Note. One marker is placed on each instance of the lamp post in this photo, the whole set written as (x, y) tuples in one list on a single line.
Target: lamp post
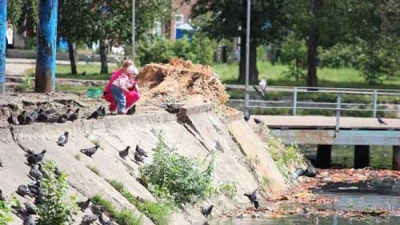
[(133, 31), (246, 94)]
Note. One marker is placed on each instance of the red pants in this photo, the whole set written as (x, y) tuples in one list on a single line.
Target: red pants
[(131, 98)]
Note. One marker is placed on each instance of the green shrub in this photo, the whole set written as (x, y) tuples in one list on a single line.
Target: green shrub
[(55, 207), (176, 177), (124, 217), (6, 210), (339, 56), (294, 54), (158, 212)]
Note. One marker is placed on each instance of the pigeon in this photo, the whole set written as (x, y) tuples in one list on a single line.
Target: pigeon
[(252, 196), (140, 151), (89, 151), (103, 112), (247, 117), (66, 114), (35, 114), (61, 119), (63, 139), (84, 204), (22, 118), (103, 222), (28, 120), (88, 219), (29, 208), (207, 211), (42, 117), (263, 86), (35, 172), (132, 110), (23, 190), (45, 175), (35, 158), (380, 120), (12, 120), (256, 204), (124, 153), (297, 173), (1, 163), (74, 116), (35, 187), (97, 209), (310, 171), (96, 114), (172, 109), (53, 118), (29, 220), (1, 196), (57, 172), (138, 158), (258, 121)]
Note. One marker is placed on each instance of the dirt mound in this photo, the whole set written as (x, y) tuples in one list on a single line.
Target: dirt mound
[(180, 81)]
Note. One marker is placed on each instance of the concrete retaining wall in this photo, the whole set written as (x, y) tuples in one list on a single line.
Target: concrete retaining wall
[(198, 135)]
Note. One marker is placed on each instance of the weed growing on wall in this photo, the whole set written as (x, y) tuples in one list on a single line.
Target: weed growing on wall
[(175, 177), (56, 207), (6, 210)]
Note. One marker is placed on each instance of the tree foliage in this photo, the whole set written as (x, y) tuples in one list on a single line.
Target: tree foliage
[(6, 210)]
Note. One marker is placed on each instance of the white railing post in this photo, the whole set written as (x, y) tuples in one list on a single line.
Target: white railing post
[(338, 108), (294, 101), (375, 103)]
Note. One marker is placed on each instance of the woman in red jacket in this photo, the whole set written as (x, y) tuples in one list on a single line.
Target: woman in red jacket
[(131, 97)]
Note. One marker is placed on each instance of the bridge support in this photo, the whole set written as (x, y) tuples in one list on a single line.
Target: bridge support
[(361, 156), (324, 156), (396, 157)]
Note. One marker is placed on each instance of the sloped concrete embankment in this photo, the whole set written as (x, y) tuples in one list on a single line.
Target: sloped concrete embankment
[(195, 132)]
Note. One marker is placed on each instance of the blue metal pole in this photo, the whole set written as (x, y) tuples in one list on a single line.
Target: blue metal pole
[(46, 46), (3, 32)]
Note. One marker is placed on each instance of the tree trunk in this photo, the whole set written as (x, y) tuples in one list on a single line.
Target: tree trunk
[(45, 77), (103, 58), (72, 56), (253, 72), (3, 32), (312, 79)]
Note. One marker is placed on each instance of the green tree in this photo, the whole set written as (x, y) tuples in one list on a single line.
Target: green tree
[(227, 20)]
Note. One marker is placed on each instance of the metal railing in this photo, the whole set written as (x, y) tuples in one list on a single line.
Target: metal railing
[(294, 103)]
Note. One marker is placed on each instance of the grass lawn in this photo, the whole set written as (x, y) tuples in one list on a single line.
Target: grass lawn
[(344, 78), (92, 72)]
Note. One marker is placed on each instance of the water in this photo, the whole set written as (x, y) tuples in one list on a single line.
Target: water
[(362, 196)]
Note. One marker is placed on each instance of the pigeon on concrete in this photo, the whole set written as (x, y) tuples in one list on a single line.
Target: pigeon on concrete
[(124, 153), (96, 114), (141, 151), (35, 187), (310, 171), (63, 139), (66, 114), (132, 110), (88, 219), (297, 173), (1, 196), (30, 209), (57, 172), (12, 120), (247, 117), (256, 204), (74, 116), (29, 220), (97, 209), (35, 172), (83, 205), (28, 120), (42, 117), (207, 211), (89, 151), (258, 121), (138, 158), (103, 112), (61, 119), (23, 190), (35, 158), (44, 173), (252, 196), (380, 120), (53, 118), (171, 108), (22, 118), (104, 222)]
